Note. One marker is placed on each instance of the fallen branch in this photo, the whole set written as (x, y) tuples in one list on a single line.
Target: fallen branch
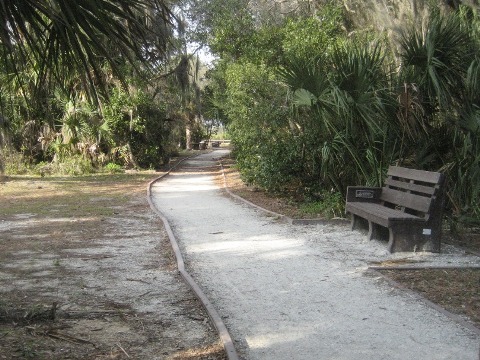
[(121, 348), (139, 280), (69, 338)]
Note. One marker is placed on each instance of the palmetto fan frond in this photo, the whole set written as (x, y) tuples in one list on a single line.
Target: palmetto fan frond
[(361, 89), (470, 112), (57, 36), (437, 57), (306, 74)]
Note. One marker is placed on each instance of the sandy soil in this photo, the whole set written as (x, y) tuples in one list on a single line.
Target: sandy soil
[(86, 272)]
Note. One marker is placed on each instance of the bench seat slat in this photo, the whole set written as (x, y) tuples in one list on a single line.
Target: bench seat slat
[(378, 213)]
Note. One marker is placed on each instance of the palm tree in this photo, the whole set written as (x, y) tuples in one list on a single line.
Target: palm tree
[(440, 66), (436, 58), (349, 98), (58, 36), (55, 51)]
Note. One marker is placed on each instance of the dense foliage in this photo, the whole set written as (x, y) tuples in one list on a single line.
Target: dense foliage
[(90, 83), (313, 109)]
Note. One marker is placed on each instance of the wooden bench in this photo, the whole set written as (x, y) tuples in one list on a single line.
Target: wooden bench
[(409, 205)]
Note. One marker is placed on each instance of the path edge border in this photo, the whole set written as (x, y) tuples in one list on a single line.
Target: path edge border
[(282, 217), (222, 330), (456, 318)]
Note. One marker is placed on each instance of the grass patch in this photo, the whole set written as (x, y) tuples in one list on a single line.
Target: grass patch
[(329, 205), (68, 196)]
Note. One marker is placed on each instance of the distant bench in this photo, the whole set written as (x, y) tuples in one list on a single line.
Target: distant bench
[(409, 205)]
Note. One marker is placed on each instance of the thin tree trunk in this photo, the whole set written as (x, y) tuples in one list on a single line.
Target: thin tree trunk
[(132, 157), (188, 137), (2, 169), (3, 144)]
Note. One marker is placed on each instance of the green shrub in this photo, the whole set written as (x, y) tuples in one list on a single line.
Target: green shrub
[(330, 205), (14, 163), (74, 165), (113, 168)]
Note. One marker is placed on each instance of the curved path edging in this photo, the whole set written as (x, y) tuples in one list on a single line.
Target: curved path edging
[(212, 312), (457, 318)]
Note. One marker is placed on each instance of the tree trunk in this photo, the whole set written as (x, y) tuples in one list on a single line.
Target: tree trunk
[(188, 137), (3, 144), (1, 166), (131, 157)]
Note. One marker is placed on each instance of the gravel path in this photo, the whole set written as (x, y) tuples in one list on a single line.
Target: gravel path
[(301, 292)]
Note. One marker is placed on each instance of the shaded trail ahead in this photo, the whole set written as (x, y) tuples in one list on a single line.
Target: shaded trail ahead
[(300, 292)]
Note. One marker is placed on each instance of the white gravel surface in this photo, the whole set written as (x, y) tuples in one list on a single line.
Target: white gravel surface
[(302, 292)]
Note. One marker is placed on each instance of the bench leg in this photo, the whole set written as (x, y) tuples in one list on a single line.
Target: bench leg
[(411, 237), (358, 223), (372, 233), (403, 236), (391, 241), (354, 223), (433, 244), (376, 231)]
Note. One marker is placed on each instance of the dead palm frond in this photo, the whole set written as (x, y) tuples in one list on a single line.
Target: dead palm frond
[(411, 114)]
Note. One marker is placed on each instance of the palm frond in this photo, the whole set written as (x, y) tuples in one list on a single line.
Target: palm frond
[(361, 91), (307, 74), (438, 56), (60, 35)]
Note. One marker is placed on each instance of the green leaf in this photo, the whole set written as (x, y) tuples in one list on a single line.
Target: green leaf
[(304, 97)]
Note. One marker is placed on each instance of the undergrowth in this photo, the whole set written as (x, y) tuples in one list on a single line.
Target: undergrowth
[(329, 205)]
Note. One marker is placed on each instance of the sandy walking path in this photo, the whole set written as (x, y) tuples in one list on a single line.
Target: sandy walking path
[(300, 292)]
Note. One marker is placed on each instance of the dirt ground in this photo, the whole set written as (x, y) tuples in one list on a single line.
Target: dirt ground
[(86, 272), (456, 290)]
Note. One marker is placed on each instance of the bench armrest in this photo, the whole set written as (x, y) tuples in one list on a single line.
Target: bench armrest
[(363, 194)]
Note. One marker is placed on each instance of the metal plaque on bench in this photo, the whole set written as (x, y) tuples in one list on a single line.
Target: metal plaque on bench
[(364, 194)]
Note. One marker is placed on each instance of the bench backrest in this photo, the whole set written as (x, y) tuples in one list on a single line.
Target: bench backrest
[(412, 191)]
